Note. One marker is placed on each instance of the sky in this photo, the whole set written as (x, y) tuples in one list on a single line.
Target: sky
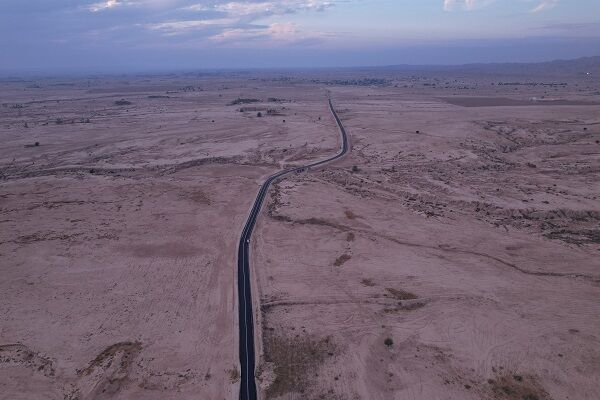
[(153, 35)]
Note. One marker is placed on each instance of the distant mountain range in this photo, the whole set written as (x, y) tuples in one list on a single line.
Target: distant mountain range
[(580, 66)]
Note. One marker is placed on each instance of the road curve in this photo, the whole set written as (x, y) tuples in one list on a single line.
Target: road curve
[(246, 324)]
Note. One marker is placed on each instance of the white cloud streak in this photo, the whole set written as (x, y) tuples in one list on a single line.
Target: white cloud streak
[(245, 8), (179, 27), (545, 5), (104, 5), (239, 20), (450, 5)]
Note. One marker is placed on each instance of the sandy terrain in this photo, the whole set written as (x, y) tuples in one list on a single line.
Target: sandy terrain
[(118, 234), (452, 255), (459, 261)]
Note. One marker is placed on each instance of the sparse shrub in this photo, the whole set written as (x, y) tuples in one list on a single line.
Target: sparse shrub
[(367, 282), (522, 389), (243, 101), (122, 102), (531, 165), (36, 144), (389, 342), (58, 121), (341, 260), (355, 168), (234, 375), (259, 114), (400, 294), (295, 362)]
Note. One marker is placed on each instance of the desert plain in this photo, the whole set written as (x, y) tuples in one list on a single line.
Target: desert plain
[(452, 254)]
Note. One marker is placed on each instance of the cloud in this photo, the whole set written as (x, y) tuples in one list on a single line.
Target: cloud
[(263, 8), (279, 32), (449, 5), (236, 21), (137, 4), (104, 5), (545, 5), (179, 27)]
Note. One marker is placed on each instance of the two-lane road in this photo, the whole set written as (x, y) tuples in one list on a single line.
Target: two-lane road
[(246, 323)]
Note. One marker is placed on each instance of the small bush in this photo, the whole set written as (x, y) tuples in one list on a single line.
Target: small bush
[(400, 294), (243, 101), (349, 214), (355, 168), (122, 102), (259, 114), (367, 282), (341, 260), (234, 375), (388, 342)]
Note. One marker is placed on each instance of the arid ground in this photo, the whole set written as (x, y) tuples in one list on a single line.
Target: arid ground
[(453, 254)]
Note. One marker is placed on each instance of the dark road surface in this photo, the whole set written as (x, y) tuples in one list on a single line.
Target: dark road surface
[(246, 324)]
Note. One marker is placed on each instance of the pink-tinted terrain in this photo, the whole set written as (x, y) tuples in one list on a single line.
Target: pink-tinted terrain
[(453, 254)]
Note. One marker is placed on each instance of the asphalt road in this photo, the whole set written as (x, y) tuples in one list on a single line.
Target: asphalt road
[(246, 323)]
